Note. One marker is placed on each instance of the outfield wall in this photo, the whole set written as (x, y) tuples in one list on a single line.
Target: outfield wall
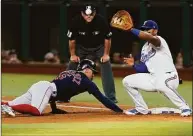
[(184, 74)]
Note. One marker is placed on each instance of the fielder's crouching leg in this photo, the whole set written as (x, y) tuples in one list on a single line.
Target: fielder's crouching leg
[(140, 104)]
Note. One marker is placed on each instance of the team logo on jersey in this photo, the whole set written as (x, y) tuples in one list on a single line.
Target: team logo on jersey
[(146, 56), (73, 75), (82, 33), (95, 32), (109, 34), (69, 34)]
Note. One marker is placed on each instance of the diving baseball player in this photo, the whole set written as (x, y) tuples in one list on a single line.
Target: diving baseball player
[(66, 85), (156, 71)]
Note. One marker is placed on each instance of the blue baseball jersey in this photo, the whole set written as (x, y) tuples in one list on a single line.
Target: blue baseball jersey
[(70, 83)]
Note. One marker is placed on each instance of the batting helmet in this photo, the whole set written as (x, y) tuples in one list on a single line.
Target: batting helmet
[(86, 63)]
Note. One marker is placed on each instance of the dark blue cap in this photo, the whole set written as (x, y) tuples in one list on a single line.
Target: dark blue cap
[(149, 24), (89, 9)]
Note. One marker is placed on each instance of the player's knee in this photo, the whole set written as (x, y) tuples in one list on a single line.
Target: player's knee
[(126, 82)]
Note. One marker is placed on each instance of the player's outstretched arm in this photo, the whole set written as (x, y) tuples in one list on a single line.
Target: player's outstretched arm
[(146, 36), (104, 100), (55, 110)]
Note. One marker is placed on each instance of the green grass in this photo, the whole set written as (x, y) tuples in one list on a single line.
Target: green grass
[(15, 85), (158, 128)]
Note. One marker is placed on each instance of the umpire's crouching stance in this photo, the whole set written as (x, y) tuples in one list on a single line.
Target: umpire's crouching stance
[(90, 38)]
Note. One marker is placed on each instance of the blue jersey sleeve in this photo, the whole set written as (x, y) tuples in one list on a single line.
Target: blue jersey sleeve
[(93, 89), (140, 67)]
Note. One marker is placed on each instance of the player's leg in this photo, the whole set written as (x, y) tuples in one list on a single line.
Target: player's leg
[(23, 99), (41, 93), (18, 103), (9, 107), (168, 86), (108, 81), (134, 82), (107, 76)]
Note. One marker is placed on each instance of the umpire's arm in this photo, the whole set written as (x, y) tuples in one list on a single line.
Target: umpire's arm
[(107, 48), (107, 40)]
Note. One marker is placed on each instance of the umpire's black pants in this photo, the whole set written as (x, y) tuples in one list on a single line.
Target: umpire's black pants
[(106, 70)]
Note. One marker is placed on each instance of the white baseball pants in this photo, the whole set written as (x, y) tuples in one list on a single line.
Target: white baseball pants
[(38, 95), (166, 83)]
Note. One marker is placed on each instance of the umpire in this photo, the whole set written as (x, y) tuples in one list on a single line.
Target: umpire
[(90, 38)]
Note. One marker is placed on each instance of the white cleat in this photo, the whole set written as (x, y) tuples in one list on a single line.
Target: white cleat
[(7, 110), (131, 112), (186, 112)]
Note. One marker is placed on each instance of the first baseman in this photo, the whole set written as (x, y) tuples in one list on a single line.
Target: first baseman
[(66, 85), (156, 71)]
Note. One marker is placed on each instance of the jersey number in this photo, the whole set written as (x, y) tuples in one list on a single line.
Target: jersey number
[(76, 76)]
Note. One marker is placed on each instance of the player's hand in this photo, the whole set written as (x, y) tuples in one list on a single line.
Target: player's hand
[(74, 58), (58, 111), (129, 61), (105, 58)]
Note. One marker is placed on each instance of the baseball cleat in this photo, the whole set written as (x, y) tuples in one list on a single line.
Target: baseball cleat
[(7, 110), (186, 112), (132, 112)]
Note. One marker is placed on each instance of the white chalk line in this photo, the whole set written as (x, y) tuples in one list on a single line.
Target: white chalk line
[(82, 107), (153, 110), (40, 134), (77, 107)]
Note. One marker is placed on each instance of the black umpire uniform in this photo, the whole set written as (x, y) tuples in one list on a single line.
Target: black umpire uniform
[(89, 43)]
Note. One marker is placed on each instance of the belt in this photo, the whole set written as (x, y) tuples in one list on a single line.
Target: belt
[(168, 72)]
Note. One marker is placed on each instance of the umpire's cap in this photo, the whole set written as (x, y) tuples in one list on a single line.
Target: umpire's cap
[(86, 63), (88, 9), (149, 24)]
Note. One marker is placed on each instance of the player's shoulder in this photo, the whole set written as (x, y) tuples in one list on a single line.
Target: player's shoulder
[(83, 76), (160, 37), (163, 41), (85, 79)]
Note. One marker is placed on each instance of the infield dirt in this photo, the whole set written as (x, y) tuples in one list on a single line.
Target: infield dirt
[(77, 113)]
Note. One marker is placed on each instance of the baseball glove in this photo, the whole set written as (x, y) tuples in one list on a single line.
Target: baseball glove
[(122, 20)]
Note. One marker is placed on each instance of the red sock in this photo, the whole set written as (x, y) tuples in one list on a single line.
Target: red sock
[(26, 108)]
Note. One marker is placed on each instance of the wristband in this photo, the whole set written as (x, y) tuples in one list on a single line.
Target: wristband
[(135, 31)]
